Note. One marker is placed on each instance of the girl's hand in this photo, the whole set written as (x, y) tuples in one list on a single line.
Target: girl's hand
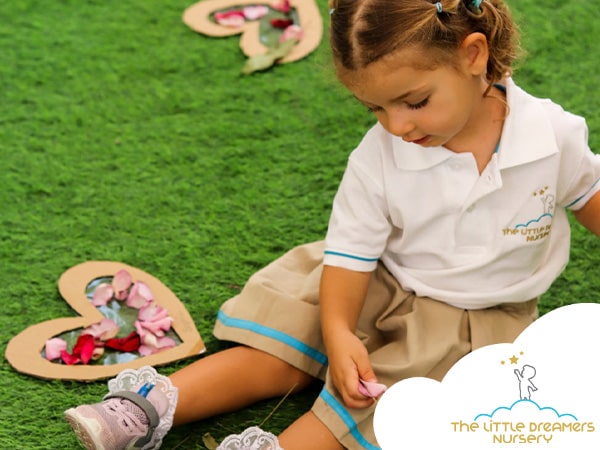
[(349, 361)]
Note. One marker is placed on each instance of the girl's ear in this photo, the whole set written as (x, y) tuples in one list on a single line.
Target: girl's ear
[(474, 53)]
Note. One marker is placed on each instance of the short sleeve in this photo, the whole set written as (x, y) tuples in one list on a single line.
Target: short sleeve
[(359, 225)]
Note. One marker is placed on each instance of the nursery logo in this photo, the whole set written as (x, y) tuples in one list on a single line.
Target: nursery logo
[(539, 392), (538, 227), (524, 421)]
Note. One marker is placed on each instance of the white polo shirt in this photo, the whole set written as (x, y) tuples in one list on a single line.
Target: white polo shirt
[(447, 232)]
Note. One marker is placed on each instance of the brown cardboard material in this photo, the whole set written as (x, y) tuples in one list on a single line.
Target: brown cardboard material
[(24, 351), (197, 17)]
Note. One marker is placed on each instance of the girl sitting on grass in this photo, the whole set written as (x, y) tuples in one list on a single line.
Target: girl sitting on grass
[(449, 223)]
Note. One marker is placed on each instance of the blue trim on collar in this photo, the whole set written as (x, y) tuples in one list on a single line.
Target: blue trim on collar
[(347, 418), (272, 333)]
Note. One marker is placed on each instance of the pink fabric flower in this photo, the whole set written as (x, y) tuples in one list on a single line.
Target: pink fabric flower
[(233, 18), (105, 329), (255, 12), (102, 294), (291, 32), (54, 347), (120, 283), (139, 295), (370, 388)]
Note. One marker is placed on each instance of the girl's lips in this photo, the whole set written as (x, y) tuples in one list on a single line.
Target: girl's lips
[(421, 141)]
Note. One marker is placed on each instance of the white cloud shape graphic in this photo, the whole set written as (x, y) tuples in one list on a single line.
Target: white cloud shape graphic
[(555, 362)]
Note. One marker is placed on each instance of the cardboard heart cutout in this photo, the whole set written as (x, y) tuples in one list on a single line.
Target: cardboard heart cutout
[(24, 351), (197, 17)]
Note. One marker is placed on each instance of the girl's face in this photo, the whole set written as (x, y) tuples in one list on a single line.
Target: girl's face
[(429, 107)]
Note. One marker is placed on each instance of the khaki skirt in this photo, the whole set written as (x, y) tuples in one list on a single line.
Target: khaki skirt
[(277, 312)]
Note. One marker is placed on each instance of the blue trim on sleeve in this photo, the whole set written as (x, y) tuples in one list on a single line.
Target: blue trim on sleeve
[(579, 198), (347, 418), (273, 334), (345, 255)]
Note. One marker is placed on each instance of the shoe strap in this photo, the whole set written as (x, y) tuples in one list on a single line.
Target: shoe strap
[(146, 406)]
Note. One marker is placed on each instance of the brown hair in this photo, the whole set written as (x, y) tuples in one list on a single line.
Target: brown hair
[(364, 31)]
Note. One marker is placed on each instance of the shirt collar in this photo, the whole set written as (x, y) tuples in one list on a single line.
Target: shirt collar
[(527, 136)]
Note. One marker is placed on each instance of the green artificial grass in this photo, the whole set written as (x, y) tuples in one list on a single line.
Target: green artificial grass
[(126, 136)]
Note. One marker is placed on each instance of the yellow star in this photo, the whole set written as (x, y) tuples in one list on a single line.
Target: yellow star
[(513, 359)]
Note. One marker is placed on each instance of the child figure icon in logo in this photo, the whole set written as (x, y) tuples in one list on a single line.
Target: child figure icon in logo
[(526, 387)]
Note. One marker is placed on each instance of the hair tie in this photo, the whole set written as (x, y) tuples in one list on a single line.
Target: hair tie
[(439, 7), (476, 6)]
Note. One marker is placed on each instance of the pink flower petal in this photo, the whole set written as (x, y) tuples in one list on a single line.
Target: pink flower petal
[(146, 336), (121, 282), (102, 294), (255, 12), (157, 327), (370, 388), (54, 347), (161, 344), (139, 295), (282, 5), (152, 311), (234, 18), (291, 32), (105, 329)]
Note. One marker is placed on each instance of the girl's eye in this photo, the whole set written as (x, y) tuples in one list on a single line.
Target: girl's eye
[(419, 105), (374, 109)]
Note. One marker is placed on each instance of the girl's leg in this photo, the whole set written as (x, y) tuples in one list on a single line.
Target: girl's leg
[(308, 433), (231, 379)]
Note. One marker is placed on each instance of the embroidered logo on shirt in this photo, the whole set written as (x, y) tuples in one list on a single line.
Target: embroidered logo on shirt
[(538, 227)]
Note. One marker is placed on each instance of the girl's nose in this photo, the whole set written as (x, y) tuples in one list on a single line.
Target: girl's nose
[(398, 123)]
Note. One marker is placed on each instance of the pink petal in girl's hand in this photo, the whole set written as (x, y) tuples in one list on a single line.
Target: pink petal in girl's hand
[(255, 12), (371, 388), (121, 282), (102, 294), (54, 347), (291, 32), (139, 295)]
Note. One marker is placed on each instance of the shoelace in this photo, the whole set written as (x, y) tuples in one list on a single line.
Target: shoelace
[(129, 415)]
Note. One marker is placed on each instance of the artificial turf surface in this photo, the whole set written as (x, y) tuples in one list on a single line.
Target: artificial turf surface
[(126, 136)]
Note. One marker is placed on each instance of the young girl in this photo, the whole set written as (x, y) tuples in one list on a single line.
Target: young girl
[(449, 223)]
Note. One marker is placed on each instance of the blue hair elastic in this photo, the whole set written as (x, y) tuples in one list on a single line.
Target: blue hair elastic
[(476, 3), (439, 7)]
